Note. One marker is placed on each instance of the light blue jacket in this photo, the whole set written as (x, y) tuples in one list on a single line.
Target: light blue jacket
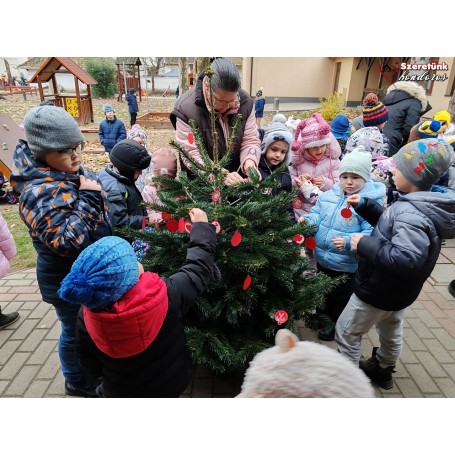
[(326, 215)]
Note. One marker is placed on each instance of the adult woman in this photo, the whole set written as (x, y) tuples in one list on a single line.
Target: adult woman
[(229, 101)]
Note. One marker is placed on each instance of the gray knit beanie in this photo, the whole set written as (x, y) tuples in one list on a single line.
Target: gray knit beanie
[(279, 118), (424, 161), (50, 128), (277, 131), (357, 162), (107, 108)]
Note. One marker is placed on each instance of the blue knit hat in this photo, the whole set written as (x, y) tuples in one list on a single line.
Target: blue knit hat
[(107, 108), (340, 126), (103, 272)]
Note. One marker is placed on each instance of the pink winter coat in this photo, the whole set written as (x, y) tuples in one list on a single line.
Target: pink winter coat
[(327, 167), (149, 194), (7, 247)]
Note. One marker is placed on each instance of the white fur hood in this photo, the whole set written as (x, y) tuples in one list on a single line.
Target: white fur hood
[(412, 88)]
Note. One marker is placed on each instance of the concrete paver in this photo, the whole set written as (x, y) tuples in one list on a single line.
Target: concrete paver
[(30, 367)]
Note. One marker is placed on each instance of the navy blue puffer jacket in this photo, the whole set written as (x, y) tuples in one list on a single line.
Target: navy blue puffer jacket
[(111, 132)]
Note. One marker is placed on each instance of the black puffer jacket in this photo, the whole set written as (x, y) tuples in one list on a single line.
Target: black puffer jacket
[(406, 103), (139, 345), (403, 248)]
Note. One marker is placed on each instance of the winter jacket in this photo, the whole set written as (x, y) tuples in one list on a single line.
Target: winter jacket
[(403, 248), (149, 193), (132, 103), (284, 178), (259, 107), (111, 132), (7, 247), (138, 346), (326, 215), (328, 167), (62, 220), (123, 198), (193, 105), (406, 102)]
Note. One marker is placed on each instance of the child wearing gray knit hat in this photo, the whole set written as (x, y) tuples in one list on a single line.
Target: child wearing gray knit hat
[(357, 162), (50, 128), (398, 257)]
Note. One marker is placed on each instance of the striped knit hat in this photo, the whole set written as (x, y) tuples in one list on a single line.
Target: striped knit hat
[(374, 112), (429, 128)]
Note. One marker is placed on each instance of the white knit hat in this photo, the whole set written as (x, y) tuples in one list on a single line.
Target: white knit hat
[(357, 162)]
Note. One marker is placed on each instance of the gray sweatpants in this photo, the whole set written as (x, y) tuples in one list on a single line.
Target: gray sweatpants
[(357, 318)]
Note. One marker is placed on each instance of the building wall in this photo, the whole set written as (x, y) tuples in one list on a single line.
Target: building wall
[(289, 78), (440, 94)]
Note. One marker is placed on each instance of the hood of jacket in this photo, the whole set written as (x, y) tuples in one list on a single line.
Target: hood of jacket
[(133, 322), (402, 90), (438, 205)]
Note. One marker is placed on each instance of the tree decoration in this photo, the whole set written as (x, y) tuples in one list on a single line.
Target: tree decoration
[(191, 138), (172, 225), (188, 226), (296, 203), (216, 195), (236, 238), (281, 317), (310, 243), (166, 216), (246, 283), (217, 225), (182, 225), (346, 212), (298, 238)]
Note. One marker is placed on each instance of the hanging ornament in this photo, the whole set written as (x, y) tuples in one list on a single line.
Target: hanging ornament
[(181, 225), (217, 225), (346, 212), (236, 238), (166, 216), (310, 243), (298, 238), (216, 196), (188, 226), (296, 203), (281, 317), (182, 196), (246, 283), (191, 138), (172, 225)]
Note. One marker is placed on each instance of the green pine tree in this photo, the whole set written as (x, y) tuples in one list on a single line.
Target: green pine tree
[(264, 274)]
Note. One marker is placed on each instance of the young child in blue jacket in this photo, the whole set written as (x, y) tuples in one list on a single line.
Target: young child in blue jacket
[(111, 129), (334, 255), (398, 257)]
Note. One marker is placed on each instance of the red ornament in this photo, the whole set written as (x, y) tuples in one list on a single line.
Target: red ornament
[(236, 238), (172, 225), (190, 138), (182, 196), (310, 243), (216, 196), (217, 225), (181, 225), (296, 203), (281, 317), (298, 238), (346, 212), (188, 226), (166, 216), (247, 282)]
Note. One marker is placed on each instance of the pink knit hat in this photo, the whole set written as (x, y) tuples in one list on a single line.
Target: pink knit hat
[(164, 162), (311, 132)]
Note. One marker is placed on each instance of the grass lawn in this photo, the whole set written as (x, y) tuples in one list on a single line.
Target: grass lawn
[(26, 254)]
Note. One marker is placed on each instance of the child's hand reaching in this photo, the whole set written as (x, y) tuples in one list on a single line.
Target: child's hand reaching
[(339, 242), (197, 215), (353, 200), (318, 181), (87, 184), (299, 181), (355, 238), (301, 220)]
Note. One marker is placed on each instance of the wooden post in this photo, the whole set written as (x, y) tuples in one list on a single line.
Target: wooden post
[(55, 86), (139, 77), (80, 118), (89, 93), (119, 84), (40, 88)]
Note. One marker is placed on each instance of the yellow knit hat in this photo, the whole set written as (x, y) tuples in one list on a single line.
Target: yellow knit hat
[(443, 117)]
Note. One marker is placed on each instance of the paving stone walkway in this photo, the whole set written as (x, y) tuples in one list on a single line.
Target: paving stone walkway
[(30, 367)]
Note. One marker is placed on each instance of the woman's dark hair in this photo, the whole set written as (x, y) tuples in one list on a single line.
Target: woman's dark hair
[(225, 75)]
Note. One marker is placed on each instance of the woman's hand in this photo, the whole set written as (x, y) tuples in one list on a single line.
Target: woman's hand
[(197, 215), (248, 164), (232, 178)]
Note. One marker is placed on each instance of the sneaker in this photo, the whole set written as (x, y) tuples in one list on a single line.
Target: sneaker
[(85, 388), (452, 288), (8, 319), (327, 334), (380, 376)]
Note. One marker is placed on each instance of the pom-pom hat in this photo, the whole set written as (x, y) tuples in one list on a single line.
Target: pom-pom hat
[(102, 273), (429, 129), (374, 112), (311, 132)]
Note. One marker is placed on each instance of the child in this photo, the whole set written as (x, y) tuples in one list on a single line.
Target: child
[(136, 133), (340, 129), (65, 210), (398, 257), (128, 159), (130, 330), (133, 108), (333, 251), (5, 195), (7, 252), (276, 148), (111, 129), (164, 163), (315, 159), (259, 107)]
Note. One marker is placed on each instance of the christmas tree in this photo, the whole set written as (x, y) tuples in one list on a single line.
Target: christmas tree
[(261, 283)]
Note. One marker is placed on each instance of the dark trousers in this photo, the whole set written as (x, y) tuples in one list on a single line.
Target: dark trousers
[(133, 116), (336, 301)]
